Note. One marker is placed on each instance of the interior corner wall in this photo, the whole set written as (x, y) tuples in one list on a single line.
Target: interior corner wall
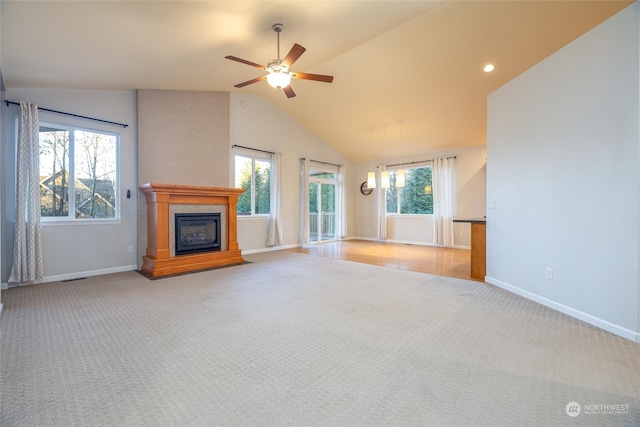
[(2, 179), (183, 138), (4, 273), (638, 159), (256, 123), (563, 171)]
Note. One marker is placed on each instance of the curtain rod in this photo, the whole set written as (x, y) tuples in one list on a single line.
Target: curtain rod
[(71, 114), (254, 149), (419, 161), (324, 163)]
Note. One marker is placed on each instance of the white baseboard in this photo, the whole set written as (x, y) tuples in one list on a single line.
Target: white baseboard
[(79, 275), (592, 320), (4, 286), (268, 249)]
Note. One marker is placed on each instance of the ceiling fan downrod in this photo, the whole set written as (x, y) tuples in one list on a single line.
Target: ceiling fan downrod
[(278, 28)]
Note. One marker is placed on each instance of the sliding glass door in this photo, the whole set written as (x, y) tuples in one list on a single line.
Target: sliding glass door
[(322, 205)]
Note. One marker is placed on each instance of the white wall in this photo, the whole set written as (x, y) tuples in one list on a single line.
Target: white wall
[(71, 251), (470, 180), (256, 123), (563, 169)]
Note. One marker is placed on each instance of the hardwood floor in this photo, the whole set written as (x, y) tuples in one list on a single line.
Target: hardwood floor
[(426, 259)]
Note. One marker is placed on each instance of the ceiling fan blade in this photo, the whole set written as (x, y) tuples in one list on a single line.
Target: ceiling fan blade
[(293, 55), (244, 61), (248, 82), (288, 90), (316, 77)]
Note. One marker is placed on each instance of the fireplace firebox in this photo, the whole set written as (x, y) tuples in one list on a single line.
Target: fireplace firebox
[(197, 232)]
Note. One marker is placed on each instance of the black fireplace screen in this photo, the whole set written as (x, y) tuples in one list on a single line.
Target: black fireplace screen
[(197, 232)]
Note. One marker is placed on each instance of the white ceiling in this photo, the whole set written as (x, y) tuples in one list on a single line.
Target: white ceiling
[(416, 61)]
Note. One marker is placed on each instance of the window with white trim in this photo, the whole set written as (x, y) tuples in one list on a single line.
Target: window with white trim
[(253, 174), (78, 173), (416, 197)]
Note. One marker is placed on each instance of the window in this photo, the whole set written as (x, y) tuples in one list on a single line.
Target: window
[(254, 175), (80, 163), (415, 197)]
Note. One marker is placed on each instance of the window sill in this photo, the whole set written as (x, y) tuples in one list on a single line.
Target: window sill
[(397, 215), (84, 222), (249, 217)]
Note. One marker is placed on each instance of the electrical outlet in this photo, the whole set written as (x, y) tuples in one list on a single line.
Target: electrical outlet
[(549, 273), (130, 249)]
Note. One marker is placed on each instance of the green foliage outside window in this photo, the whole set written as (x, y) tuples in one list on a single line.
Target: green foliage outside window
[(415, 197), (254, 176), (328, 197)]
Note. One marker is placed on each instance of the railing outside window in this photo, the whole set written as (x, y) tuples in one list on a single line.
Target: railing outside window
[(328, 223)]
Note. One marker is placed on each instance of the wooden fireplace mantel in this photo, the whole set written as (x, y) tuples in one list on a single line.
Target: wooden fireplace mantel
[(158, 260)]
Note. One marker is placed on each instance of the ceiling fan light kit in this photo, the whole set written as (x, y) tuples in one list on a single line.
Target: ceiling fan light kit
[(278, 76), (279, 70)]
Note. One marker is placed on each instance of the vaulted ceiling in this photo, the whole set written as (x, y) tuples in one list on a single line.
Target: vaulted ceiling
[(419, 62)]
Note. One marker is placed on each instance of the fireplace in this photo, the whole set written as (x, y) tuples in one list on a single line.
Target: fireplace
[(164, 201), (197, 232)]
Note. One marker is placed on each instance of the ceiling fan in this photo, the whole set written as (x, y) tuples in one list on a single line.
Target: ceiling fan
[(279, 70)]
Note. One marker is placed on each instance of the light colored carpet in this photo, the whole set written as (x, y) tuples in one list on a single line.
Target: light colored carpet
[(293, 339)]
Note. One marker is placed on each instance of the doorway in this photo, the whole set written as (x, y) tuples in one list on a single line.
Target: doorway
[(322, 205)]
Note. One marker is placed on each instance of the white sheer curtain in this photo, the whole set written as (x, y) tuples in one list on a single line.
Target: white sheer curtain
[(274, 232), (305, 236), (342, 203), (443, 200), (27, 247), (382, 205)]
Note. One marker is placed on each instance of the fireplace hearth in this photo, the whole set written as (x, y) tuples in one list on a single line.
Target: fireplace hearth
[(197, 232)]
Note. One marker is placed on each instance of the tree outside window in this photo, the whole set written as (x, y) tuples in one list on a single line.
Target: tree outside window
[(415, 197), (91, 177), (254, 176)]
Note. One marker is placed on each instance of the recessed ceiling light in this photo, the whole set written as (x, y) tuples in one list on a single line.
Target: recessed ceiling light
[(489, 68)]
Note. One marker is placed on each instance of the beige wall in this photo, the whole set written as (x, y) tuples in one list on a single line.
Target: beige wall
[(183, 138)]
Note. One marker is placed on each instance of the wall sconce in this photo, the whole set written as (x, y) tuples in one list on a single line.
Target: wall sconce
[(427, 189)]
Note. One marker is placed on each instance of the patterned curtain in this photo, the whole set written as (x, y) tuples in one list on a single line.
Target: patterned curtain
[(305, 235), (274, 232), (382, 206), (27, 247), (443, 201)]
